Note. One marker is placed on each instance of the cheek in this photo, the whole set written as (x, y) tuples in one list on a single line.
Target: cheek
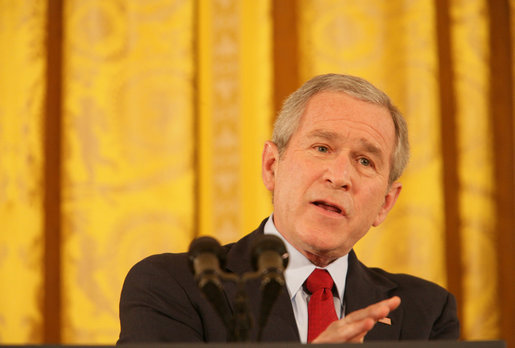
[(375, 201), (292, 181)]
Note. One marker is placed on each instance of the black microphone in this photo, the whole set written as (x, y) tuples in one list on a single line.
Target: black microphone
[(206, 257), (269, 257)]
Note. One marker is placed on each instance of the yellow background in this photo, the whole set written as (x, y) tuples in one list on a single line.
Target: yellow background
[(164, 110)]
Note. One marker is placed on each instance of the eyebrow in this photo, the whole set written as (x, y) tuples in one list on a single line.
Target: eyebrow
[(369, 147), (320, 133), (328, 135)]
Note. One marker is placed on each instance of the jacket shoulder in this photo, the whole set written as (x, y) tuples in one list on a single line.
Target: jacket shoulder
[(409, 283), (160, 302)]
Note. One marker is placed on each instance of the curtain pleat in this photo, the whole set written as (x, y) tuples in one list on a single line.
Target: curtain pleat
[(475, 169), (235, 115), (128, 173), (22, 81)]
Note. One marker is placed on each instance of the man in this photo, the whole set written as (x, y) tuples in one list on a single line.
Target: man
[(338, 147)]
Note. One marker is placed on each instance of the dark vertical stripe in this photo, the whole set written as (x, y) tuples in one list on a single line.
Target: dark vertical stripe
[(286, 52), (52, 175), (502, 113), (449, 151)]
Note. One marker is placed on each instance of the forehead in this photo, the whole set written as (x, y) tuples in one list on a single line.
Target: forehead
[(348, 117)]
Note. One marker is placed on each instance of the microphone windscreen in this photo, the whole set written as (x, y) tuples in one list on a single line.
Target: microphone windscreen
[(208, 245), (265, 243)]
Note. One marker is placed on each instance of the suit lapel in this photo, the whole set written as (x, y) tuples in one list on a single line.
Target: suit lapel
[(281, 324), (365, 287)]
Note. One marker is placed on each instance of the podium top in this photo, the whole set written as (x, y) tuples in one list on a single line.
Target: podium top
[(375, 344)]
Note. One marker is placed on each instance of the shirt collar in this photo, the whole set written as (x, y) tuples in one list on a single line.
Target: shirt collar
[(299, 267)]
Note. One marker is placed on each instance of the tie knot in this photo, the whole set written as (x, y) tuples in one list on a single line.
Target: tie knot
[(319, 279)]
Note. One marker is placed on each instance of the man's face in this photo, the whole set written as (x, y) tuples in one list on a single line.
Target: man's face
[(331, 183)]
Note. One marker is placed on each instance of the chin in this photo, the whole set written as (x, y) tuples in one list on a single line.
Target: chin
[(320, 244)]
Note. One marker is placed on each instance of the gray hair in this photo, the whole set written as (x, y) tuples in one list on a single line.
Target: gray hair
[(293, 108)]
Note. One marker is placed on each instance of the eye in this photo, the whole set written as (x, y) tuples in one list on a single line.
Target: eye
[(321, 148), (365, 162)]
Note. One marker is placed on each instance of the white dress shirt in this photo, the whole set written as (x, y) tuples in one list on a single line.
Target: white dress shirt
[(298, 270)]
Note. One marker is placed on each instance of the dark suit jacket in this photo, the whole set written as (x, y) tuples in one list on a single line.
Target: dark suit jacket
[(160, 302)]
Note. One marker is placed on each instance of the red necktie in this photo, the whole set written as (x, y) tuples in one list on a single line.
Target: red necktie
[(321, 310)]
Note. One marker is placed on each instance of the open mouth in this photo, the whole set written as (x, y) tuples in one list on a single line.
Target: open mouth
[(327, 206)]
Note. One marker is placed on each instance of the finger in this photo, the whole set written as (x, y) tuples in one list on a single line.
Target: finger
[(359, 337), (355, 325), (376, 311), (340, 331), (393, 302)]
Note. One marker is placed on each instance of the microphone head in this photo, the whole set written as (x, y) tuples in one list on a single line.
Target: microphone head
[(205, 257), (207, 245), (268, 243)]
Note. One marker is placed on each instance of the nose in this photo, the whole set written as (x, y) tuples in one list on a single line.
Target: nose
[(338, 173)]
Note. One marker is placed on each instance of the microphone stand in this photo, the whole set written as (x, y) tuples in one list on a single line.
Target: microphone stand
[(242, 318), (241, 322)]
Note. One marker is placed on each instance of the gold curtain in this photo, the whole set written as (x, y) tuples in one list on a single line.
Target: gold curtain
[(127, 128), (127, 185), (22, 64), (475, 169), (235, 115)]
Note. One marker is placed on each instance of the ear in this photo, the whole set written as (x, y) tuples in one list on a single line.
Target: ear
[(389, 202), (269, 162)]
